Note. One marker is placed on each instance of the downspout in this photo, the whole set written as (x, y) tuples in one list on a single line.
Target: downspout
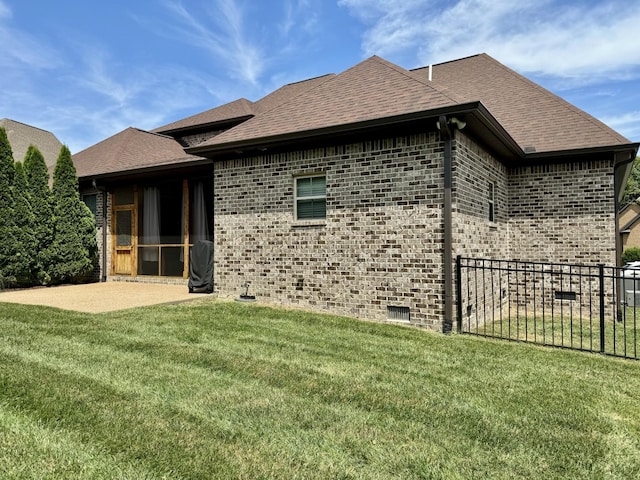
[(447, 257)]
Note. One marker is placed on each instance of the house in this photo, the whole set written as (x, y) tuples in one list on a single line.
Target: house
[(629, 225), (21, 135), (353, 193)]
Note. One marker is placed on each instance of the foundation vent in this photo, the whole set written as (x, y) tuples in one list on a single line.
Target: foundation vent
[(398, 314)]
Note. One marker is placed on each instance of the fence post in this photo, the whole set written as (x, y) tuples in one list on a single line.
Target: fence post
[(601, 275), (459, 292)]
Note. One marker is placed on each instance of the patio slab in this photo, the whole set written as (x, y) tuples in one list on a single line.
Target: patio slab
[(102, 297)]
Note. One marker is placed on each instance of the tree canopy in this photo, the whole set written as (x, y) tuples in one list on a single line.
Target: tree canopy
[(632, 189)]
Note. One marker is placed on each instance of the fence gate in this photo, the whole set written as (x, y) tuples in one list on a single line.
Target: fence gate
[(590, 308)]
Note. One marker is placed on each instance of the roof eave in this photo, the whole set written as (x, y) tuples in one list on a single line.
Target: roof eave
[(147, 169), (262, 143), (230, 122), (622, 152)]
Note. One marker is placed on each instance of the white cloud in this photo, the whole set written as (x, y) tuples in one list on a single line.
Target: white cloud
[(21, 49), (5, 11), (628, 124), (567, 39), (224, 37), (299, 15)]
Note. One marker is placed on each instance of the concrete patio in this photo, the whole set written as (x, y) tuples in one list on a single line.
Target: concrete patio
[(102, 297)]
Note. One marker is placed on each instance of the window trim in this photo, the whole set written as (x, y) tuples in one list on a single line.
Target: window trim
[(492, 201), (314, 220)]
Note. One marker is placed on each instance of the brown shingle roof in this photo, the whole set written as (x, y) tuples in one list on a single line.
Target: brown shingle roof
[(22, 135), (533, 116), (371, 90), (131, 149), (235, 110), (287, 92)]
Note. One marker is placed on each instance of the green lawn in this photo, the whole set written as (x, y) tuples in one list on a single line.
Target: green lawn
[(230, 390), (621, 338)]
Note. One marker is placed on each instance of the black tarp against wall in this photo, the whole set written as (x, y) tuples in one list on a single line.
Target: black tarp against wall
[(201, 267)]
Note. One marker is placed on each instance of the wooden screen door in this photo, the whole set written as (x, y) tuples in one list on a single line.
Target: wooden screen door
[(125, 240), (124, 251)]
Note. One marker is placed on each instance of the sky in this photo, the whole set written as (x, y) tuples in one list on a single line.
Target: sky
[(85, 70)]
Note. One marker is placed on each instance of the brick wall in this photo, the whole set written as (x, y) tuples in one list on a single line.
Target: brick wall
[(474, 234), (563, 213), (380, 245)]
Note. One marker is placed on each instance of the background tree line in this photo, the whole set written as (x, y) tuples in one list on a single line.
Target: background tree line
[(632, 189), (47, 235)]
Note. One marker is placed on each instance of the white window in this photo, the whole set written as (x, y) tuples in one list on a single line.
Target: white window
[(311, 197), (492, 207)]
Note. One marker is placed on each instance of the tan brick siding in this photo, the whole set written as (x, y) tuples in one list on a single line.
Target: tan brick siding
[(563, 213), (381, 243)]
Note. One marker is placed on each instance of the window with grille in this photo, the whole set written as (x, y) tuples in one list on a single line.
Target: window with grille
[(311, 197), (492, 207)]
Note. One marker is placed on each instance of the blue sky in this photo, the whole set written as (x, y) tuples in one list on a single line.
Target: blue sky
[(86, 70)]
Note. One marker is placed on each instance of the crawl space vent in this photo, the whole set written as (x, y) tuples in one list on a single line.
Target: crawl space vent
[(398, 314)]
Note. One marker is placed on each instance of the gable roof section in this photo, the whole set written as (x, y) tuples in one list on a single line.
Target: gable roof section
[(373, 89), (533, 116), (233, 111), (22, 135), (131, 150), (288, 92), (241, 109)]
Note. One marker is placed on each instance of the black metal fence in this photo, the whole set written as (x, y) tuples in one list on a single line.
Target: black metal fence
[(589, 308)]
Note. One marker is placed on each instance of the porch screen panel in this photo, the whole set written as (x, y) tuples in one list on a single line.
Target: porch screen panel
[(151, 223), (123, 228)]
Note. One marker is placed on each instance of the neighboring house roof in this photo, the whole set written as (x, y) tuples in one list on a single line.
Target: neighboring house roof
[(131, 150), (629, 215), (21, 135)]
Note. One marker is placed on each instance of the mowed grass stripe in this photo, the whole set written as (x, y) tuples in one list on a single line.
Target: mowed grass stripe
[(226, 390)]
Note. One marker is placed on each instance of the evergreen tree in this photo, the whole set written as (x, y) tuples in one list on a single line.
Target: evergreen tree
[(42, 206), (74, 249), (8, 250), (632, 189), (24, 263)]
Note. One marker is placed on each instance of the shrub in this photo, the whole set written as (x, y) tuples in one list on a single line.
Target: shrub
[(631, 254), (8, 228), (74, 249), (23, 263), (42, 206)]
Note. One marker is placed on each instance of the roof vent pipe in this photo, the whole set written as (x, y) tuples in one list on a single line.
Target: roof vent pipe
[(430, 72)]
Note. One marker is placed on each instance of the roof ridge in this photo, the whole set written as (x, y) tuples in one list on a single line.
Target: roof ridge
[(409, 74), (330, 76), (307, 80)]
